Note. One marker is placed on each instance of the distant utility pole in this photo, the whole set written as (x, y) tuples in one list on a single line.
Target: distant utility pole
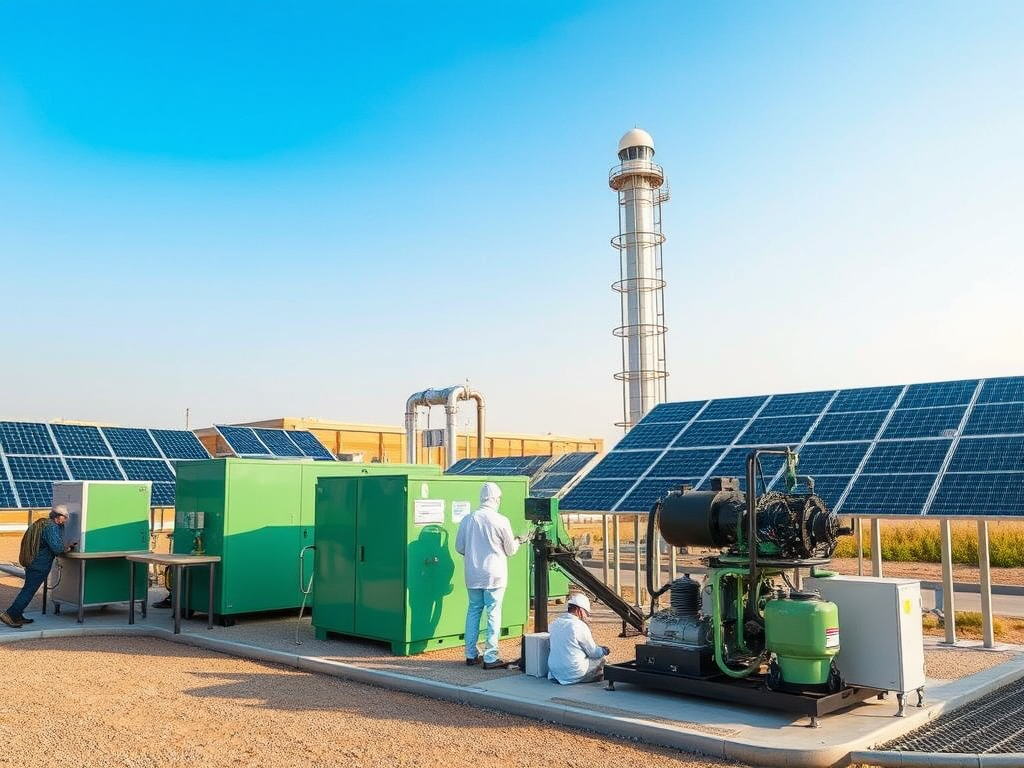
[(186, 418)]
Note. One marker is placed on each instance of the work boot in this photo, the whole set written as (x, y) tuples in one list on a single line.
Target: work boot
[(25, 619), (165, 603), (474, 661), (496, 664), (10, 621)]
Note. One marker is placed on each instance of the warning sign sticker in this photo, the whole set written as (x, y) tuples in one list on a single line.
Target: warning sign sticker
[(832, 637)]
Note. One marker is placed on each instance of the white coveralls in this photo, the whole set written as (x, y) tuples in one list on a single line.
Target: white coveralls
[(486, 541), (574, 656)]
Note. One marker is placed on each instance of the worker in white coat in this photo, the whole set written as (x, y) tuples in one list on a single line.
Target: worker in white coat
[(574, 656), (486, 542)]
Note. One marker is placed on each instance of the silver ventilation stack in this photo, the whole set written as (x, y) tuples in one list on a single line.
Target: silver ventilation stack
[(640, 183)]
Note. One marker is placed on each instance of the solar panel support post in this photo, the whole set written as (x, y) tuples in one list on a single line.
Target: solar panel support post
[(985, 582), (636, 567), (604, 547), (948, 608), (859, 533), (876, 547), (617, 556)]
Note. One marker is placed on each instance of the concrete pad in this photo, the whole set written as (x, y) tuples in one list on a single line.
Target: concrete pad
[(693, 724)]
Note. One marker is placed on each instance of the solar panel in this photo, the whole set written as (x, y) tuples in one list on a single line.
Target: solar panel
[(309, 445), (131, 442), (7, 499), (146, 469), (950, 448), (178, 444), (36, 468), (35, 494), (93, 469), (26, 439), (243, 441), (1006, 390), (162, 495), (277, 441), (572, 462), (458, 466), (530, 466), (33, 456), (75, 440)]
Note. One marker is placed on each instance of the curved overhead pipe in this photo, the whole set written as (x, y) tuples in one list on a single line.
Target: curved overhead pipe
[(449, 397)]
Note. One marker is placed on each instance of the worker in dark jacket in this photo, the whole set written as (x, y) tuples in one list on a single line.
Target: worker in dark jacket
[(51, 544)]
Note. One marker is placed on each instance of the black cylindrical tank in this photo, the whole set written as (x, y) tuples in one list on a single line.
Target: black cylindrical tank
[(701, 518)]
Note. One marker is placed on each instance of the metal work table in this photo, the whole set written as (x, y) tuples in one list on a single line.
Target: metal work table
[(82, 558), (179, 563)]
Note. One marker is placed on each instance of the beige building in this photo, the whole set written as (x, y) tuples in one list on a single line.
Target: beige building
[(387, 443)]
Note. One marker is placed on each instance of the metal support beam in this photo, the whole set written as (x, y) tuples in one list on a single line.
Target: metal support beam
[(617, 555), (858, 531), (984, 566), (604, 548), (876, 547), (948, 610), (637, 597)]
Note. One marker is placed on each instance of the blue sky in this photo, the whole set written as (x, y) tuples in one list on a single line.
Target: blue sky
[(312, 209)]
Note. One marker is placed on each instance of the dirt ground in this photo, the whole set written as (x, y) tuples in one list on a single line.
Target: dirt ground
[(153, 703)]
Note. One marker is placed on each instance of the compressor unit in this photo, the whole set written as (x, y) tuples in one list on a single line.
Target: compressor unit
[(747, 634)]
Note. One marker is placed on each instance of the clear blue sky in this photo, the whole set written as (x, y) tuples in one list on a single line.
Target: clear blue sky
[(256, 209)]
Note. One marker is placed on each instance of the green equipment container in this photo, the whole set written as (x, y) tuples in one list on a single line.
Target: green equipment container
[(103, 516), (258, 516), (803, 634), (386, 565)]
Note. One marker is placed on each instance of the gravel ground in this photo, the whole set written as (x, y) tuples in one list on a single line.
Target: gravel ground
[(154, 703)]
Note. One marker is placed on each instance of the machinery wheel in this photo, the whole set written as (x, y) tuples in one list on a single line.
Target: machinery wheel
[(774, 679), (226, 621), (835, 682)]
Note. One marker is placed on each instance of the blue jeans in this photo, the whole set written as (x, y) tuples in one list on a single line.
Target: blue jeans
[(34, 579), (481, 600)]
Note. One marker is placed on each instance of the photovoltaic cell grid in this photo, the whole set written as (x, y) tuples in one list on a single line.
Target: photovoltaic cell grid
[(944, 448), (35, 455), (262, 443)]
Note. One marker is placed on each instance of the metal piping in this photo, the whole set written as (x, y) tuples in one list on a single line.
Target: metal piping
[(449, 397)]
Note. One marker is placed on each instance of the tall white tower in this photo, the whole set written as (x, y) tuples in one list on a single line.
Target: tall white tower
[(640, 183)]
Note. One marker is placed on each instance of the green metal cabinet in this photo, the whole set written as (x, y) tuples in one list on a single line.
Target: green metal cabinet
[(558, 582), (258, 516), (386, 566), (103, 516)]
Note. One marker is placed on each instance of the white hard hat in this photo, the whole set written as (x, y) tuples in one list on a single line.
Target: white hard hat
[(580, 601)]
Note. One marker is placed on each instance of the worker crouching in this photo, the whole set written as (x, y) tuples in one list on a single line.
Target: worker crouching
[(574, 656)]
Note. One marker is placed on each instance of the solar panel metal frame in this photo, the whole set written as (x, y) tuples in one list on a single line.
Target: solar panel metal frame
[(930, 403)]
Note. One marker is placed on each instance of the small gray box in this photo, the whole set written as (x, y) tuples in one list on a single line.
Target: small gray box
[(536, 647)]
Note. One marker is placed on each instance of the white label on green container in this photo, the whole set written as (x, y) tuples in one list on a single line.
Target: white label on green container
[(460, 509), (832, 637), (428, 512)]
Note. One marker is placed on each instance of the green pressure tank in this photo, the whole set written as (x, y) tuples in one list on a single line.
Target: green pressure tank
[(802, 631)]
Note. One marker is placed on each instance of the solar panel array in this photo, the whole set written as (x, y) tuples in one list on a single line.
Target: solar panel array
[(549, 476), (34, 455), (260, 443), (945, 448)]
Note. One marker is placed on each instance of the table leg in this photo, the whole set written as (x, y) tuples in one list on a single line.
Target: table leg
[(177, 599), (81, 592), (46, 589), (131, 592), (209, 605), (145, 592)]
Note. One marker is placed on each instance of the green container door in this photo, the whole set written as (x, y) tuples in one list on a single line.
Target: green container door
[(380, 576), (117, 517), (334, 603)]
